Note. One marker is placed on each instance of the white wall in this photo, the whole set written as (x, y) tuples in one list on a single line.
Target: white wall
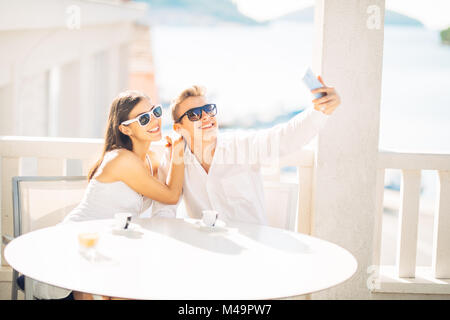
[(92, 68), (58, 81), (32, 14), (39, 45)]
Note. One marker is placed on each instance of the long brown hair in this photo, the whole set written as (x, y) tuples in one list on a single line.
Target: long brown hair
[(119, 112)]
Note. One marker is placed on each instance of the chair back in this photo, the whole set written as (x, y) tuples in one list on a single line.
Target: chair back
[(281, 204), (40, 202)]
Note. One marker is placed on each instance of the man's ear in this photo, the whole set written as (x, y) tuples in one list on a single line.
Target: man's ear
[(176, 127)]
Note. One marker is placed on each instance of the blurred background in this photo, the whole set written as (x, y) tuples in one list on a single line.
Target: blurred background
[(62, 62)]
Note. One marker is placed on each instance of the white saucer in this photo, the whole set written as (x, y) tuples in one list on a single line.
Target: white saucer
[(131, 227), (220, 226)]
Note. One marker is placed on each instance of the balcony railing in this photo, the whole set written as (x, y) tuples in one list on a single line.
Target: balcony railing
[(405, 276)]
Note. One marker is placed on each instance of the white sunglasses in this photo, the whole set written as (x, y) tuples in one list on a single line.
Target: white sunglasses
[(145, 118)]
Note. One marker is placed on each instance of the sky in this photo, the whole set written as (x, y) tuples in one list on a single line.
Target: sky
[(434, 14)]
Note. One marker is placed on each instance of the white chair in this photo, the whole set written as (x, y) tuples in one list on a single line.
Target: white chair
[(40, 202), (281, 204)]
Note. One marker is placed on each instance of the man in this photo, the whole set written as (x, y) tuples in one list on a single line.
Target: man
[(222, 171)]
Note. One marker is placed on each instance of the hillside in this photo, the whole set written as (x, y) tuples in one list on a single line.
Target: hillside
[(445, 36), (391, 17), (196, 12), (211, 12)]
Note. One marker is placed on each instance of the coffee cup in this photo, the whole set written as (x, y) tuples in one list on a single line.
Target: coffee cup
[(87, 244), (88, 240), (209, 217), (122, 220)]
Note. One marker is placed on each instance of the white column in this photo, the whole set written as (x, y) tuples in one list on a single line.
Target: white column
[(16, 83), (69, 101), (101, 92), (441, 235), (348, 53), (124, 72), (33, 100), (87, 123), (113, 72), (376, 253), (53, 101), (7, 110), (408, 223)]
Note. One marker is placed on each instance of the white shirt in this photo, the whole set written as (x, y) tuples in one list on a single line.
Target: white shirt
[(102, 200), (234, 185)]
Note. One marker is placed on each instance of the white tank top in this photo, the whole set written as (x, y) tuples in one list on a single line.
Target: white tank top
[(102, 200)]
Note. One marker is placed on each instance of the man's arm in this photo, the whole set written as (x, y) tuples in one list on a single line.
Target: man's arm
[(160, 209), (266, 147), (294, 134)]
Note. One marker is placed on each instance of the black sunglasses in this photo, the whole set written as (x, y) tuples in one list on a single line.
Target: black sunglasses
[(195, 114), (145, 118)]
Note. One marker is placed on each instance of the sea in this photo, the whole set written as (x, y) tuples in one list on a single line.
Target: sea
[(254, 73)]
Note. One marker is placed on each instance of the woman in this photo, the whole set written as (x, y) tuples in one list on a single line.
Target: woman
[(123, 179)]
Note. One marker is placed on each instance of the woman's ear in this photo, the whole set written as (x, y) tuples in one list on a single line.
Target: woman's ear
[(125, 130)]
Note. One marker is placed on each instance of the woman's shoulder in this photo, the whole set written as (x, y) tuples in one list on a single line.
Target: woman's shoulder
[(116, 165), (116, 160), (121, 156), (123, 153)]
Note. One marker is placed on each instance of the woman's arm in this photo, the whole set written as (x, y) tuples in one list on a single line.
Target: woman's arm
[(158, 208), (128, 168)]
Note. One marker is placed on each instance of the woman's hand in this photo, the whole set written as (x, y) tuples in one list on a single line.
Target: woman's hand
[(176, 147), (328, 103)]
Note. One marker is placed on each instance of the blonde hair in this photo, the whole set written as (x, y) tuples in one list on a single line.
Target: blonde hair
[(194, 91)]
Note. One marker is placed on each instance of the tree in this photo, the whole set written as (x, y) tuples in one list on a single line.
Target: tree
[(445, 36)]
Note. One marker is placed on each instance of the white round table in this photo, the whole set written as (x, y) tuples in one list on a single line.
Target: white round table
[(162, 258)]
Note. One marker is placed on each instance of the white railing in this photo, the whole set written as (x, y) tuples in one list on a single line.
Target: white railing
[(405, 276), (21, 156)]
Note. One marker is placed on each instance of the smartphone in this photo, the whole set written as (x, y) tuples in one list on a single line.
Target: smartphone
[(311, 82)]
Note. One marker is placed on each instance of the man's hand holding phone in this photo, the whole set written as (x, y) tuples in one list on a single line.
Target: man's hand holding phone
[(327, 99)]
